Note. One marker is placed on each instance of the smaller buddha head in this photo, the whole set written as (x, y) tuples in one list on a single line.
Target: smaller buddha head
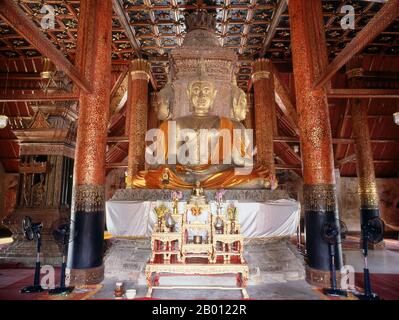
[(164, 98), (240, 105)]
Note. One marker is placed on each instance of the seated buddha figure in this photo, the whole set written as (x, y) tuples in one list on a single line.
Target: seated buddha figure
[(204, 149)]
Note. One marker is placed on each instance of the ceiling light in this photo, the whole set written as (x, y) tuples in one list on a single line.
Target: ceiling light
[(3, 121), (396, 118)]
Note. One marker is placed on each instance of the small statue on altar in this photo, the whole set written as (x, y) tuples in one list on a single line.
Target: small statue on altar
[(176, 196), (198, 196)]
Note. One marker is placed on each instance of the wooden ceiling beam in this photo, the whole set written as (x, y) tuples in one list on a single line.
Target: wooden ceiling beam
[(124, 20), (363, 93), (283, 100), (382, 19), (20, 76), (345, 160), (38, 96), (281, 7), (335, 140), (18, 20)]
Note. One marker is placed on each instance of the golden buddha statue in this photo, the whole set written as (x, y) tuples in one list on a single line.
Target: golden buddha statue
[(198, 197), (200, 153)]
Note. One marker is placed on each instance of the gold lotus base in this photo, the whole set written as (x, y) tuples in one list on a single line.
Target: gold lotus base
[(152, 272)]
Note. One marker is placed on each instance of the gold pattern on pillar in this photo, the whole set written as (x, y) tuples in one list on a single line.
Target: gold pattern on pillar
[(364, 155), (136, 124), (310, 59), (93, 58), (264, 111)]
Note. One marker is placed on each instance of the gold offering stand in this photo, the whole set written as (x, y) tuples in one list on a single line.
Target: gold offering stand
[(227, 241), (200, 246), (166, 240)]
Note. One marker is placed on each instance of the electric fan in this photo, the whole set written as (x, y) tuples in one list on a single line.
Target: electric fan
[(62, 235), (31, 232), (372, 232), (332, 233)]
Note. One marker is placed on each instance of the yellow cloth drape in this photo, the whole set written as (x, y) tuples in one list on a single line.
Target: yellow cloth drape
[(152, 179)]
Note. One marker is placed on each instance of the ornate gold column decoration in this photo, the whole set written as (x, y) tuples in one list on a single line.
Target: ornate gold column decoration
[(136, 120), (264, 109), (85, 254), (369, 200), (309, 60)]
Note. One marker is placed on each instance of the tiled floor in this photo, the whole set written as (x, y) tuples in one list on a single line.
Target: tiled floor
[(384, 265)]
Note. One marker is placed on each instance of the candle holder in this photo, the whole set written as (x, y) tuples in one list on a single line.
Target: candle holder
[(119, 290)]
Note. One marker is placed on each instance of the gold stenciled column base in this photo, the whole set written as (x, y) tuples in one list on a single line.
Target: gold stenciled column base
[(78, 277), (320, 278)]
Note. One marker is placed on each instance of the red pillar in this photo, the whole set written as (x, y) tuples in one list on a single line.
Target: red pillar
[(85, 256), (137, 117), (264, 106), (309, 57), (369, 199)]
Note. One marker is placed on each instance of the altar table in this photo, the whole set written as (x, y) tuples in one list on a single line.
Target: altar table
[(270, 219)]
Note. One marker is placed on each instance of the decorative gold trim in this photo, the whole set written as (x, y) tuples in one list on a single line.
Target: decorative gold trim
[(369, 200), (78, 277), (356, 72), (88, 198), (260, 75), (140, 75), (368, 194), (176, 268), (140, 69), (320, 197), (320, 278)]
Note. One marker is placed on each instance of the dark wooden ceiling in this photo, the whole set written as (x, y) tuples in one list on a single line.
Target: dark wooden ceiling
[(253, 28)]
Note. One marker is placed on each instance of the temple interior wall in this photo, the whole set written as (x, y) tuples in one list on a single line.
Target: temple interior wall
[(2, 195), (8, 192), (388, 190)]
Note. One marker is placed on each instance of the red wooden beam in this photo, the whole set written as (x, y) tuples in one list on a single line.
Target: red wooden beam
[(15, 17), (387, 14), (363, 93), (20, 76), (38, 96)]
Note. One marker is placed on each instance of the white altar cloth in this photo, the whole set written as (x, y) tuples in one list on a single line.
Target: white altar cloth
[(272, 219)]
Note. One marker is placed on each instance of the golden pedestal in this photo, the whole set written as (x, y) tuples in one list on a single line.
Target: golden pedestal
[(216, 254)]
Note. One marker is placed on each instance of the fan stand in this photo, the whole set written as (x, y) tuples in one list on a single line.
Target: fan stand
[(333, 291), (368, 294), (62, 289), (36, 288)]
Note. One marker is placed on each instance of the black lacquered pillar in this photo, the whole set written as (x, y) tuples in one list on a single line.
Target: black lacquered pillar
[(85, 256), (369, 199), (309, 56)]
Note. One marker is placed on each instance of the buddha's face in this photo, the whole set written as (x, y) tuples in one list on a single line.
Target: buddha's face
[(201, 95), (163, 108), (240, 106)]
